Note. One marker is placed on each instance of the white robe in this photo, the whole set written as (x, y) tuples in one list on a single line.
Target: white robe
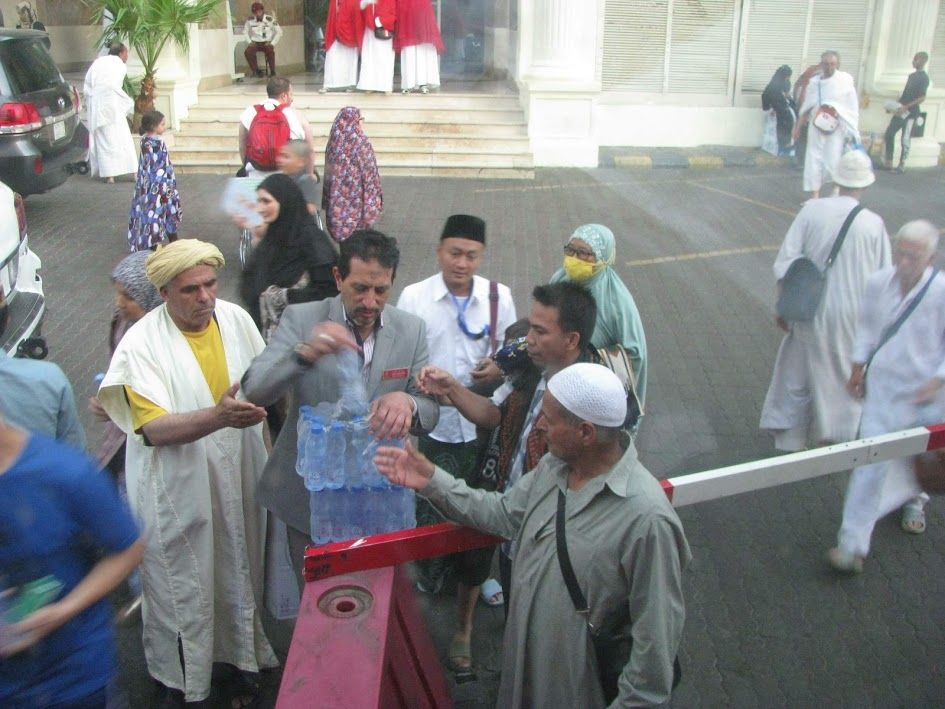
[(377, 63), (112, 150), (824, 150), (807, 398), (911, 357), (202, 572), (341, 66), (419, 66)]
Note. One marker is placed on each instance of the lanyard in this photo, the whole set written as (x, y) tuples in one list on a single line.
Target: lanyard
[(461, 318)]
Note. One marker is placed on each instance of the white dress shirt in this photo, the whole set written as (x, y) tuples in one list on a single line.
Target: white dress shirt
[(450, 348)]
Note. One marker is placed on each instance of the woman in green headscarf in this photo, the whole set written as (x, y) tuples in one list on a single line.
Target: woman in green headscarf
[(588, 259)]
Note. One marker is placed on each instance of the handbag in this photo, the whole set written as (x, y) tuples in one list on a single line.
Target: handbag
[(802, 287), (613, 640), (826, 118), (383, 33), (616, 359)]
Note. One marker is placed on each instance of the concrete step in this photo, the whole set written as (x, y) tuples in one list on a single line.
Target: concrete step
[(374, 116), (498, 173), (394, 158), (471, 144), (336, 101), (216, 128)]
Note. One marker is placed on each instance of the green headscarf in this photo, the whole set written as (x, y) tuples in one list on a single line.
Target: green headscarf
[(618, 320)]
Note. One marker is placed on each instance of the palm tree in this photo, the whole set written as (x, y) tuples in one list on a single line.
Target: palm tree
[(146, 26)]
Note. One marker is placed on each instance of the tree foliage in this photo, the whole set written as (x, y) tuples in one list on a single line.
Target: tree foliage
[(147, 26)]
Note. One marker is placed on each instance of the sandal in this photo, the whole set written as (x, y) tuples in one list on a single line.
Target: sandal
[(491, 593), (913, 520), (460, 656)]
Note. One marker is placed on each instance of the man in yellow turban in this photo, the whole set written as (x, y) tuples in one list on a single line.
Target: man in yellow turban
[(195, 451)]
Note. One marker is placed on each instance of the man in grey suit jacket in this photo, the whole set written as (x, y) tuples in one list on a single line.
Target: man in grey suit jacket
[(300, 363)]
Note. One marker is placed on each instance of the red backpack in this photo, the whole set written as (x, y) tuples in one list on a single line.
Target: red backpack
[(268, 132)]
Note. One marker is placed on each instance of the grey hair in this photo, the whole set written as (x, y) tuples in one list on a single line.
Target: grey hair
[(920, 231), (831, 53)]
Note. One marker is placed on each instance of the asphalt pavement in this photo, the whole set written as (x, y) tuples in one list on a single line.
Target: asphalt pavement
[(768, 624)]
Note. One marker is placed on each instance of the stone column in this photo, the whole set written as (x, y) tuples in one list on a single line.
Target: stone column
[(559, 78), (902, 28)]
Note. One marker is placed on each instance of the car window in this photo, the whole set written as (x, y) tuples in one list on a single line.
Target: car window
[(27, 67)]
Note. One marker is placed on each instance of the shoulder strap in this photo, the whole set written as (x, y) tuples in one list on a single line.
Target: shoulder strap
[(843, 234), (259, 108), (493, 316), (564, 559), (903, 316)]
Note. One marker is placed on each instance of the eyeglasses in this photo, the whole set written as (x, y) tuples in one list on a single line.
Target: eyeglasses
[(582, 254)]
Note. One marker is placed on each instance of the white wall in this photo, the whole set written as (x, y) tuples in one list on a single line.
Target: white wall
[(676, 126)]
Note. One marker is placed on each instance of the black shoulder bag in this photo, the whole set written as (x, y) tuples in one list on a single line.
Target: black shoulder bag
[(802, 287), (613, 641)]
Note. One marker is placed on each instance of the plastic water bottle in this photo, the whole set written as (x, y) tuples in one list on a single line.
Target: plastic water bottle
[(353, 400), (335, 456), (301, 431), (372, 476), (321, 530), (359, 442), (353, 511), (315, 457)]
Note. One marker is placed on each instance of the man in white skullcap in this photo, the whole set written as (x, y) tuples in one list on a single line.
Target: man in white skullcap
[(807, 400), (625, 544), (194, 454)]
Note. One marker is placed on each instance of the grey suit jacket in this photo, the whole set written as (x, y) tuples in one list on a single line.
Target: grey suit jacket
[(401, 344)]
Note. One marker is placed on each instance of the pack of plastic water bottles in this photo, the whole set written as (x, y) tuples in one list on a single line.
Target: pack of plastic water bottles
[(348, 496)]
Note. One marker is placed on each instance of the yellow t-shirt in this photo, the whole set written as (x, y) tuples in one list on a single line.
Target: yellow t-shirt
[(207, 347)]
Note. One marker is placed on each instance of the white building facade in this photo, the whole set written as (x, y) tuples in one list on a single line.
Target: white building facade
[(593, 73)]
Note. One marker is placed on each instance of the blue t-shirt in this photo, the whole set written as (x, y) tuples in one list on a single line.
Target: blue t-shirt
[(58, 515)]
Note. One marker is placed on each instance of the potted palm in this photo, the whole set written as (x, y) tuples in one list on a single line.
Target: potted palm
[(147, 26)]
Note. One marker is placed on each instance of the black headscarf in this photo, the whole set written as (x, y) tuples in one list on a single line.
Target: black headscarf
[(777, 88), (292, 245)]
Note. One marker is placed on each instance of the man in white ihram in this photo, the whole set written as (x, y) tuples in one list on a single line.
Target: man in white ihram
[(900, 373), (833, 94), (807, 400), (112, 150)]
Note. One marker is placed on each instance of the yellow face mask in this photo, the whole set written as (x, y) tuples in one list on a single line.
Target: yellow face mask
[(578, 270)]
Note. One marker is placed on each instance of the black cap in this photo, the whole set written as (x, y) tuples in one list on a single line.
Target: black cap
[(464, 226)]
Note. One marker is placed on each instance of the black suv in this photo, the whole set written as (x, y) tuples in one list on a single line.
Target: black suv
[(41, 138)]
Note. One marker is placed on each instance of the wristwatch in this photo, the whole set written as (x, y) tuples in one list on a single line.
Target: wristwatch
[(303, 354)]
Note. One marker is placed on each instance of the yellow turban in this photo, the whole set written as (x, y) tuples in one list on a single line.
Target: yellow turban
[(169, 261)]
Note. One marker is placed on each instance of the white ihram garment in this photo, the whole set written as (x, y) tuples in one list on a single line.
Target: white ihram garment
[(377, 63), (202, 572), (824, 150), (341, 66), (911, 357), (807, 398), (419, 66), (112, 150)]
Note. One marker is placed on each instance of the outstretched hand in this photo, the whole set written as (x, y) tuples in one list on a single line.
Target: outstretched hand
[(234, 413), (434, 381), (406, 467)]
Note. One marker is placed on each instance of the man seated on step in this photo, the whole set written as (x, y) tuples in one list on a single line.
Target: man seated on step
[(266, 127)]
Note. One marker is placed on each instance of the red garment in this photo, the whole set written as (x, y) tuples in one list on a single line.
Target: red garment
[(416, 24), (344, 23), (386, 10)]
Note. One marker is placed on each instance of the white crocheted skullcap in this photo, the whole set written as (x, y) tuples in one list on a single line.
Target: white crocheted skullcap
[(591, 392)]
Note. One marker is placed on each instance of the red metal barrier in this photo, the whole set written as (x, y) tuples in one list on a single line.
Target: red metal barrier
[(360, 643)]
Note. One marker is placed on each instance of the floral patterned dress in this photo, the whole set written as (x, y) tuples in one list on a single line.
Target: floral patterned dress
[(352, 195), (155, 208)]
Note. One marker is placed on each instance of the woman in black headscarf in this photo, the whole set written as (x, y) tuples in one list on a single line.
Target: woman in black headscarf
[(293, 261), (777, 97)]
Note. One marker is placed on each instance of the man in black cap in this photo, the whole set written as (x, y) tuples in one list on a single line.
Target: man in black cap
[(466, 316)]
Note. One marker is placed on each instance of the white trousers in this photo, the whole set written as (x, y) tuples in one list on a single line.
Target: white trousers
[(873, 492), (377, 63), (341, 66), (824, 151), (419, 66)]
